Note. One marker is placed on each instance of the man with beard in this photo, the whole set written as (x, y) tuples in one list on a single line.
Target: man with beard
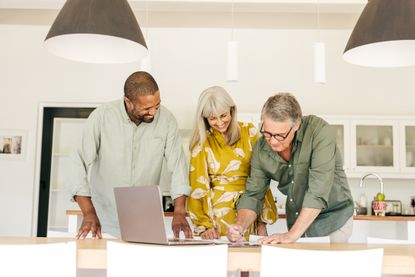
[(124, 143)]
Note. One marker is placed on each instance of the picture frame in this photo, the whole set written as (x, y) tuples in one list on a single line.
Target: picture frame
[(13, 144)]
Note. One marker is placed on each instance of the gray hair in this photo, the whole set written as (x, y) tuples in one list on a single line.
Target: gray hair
[(282, 107), (214, 101)]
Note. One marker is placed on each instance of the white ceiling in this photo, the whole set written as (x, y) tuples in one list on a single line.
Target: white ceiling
[(284, 6)]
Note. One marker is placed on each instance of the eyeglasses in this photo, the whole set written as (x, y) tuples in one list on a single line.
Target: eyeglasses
[(277, 137), (222, 117)]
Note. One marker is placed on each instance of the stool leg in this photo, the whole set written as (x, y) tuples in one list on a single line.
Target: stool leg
[(72, 223)]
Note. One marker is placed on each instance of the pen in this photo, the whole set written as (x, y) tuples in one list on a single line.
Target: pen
[(228, 225)]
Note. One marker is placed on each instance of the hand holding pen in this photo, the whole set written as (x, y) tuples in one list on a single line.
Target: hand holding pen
[(235, 232)]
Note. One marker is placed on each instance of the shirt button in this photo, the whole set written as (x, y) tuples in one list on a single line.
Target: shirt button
[(296, 213), (291, 200), (289, 165), (292, 182)]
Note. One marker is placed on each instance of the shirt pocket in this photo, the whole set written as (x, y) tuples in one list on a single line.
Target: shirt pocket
[(153, 148)]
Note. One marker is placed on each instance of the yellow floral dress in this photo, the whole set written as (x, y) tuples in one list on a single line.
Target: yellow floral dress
[(218, 174)]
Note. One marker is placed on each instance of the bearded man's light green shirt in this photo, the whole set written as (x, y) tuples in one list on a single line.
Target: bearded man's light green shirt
[(312, 178), (120, 153)]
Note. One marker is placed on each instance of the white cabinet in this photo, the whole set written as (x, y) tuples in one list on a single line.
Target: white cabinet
[(407, 142), (341, 129), (381, 144), (375, 145)]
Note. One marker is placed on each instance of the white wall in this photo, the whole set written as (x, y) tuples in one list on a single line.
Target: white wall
[(185, 61)]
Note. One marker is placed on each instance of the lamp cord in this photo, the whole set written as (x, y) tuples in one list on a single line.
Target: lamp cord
[(318, 20), (147, 19), (233, 19)]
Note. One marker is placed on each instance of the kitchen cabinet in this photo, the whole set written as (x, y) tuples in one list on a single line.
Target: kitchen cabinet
[(375, 145), (341, 130), (407, 149), (382, 144)]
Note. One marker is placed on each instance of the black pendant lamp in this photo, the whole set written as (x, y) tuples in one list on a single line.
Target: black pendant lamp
[(384, 35), (97, 31)]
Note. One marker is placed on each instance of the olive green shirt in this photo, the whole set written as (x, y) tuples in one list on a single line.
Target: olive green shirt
[(312, 178)]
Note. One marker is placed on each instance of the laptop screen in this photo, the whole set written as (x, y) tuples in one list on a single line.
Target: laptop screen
[(140, 214)]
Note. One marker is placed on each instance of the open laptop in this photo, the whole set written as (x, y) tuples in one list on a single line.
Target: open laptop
[(141, 216)]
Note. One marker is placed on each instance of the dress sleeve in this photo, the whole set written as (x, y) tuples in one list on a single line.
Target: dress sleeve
[(198, 204), (269, 210)]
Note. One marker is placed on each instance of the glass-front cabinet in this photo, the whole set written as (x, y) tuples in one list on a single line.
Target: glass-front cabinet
[(367, 145), (341, 131), (408, 145), (376, 145)]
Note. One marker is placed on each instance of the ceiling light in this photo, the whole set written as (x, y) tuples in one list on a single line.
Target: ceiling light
[(96, 31)]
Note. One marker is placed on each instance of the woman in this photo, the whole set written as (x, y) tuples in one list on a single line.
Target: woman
[(220, 159)]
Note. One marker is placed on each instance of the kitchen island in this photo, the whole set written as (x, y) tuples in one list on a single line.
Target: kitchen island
[(91, 254)]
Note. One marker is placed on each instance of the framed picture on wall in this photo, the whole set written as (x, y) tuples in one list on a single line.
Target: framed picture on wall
[(13, 144)]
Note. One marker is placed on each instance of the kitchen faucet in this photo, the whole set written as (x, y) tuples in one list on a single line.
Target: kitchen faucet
[(377, 176)]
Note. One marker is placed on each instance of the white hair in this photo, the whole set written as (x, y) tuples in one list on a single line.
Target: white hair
[(214, 101)]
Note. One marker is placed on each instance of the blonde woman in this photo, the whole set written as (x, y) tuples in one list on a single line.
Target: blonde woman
[(220, 159)]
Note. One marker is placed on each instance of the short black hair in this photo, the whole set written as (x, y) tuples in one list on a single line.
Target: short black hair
[(140, 83)]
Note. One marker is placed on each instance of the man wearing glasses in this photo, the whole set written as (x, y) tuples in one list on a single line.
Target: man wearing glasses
[(300, 153)]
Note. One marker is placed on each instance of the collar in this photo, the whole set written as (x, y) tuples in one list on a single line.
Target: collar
[(123, 110), (218, 136)]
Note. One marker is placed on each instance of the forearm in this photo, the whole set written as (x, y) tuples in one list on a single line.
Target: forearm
[(90, 221), (85, 204), (304, 220), (180, 205), (179, 218), (245, 218)]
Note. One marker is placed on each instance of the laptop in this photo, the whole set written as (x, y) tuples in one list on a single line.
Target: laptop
[(141, 216)]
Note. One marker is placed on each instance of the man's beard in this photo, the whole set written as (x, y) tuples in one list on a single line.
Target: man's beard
[(143, 118)]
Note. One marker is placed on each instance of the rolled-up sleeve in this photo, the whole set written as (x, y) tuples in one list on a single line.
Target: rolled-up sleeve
[(177, 165), (321, 172), (257, 184)]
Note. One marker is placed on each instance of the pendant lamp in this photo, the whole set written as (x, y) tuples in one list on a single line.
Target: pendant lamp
[(384, 35), (146, 60), (96, 31)]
